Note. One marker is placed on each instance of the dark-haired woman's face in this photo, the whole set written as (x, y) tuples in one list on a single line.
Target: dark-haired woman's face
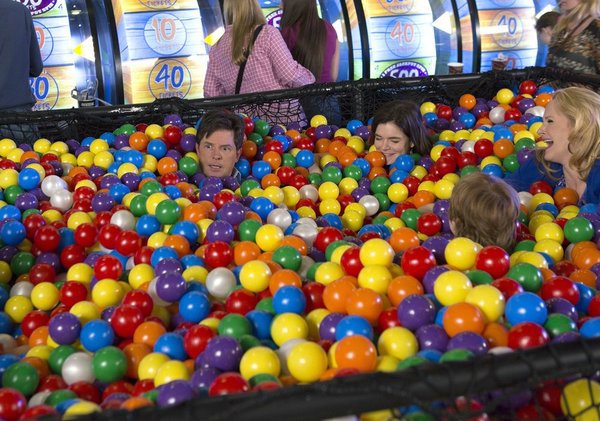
[(391, 141)]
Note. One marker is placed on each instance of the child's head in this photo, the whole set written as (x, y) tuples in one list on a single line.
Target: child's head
[(398, 129), (545, 24), (485, 209)]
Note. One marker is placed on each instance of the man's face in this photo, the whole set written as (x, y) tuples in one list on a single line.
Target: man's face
[(217, 153)]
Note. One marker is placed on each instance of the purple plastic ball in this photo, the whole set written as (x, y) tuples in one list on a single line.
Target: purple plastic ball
[(416, 311), (223, 353), (470, 341), (328, 326), (170, 287), (203, 377), (437, 245), (431, 275), (187, 143), (26, 201), (174, 119), (232, 212), (220, 231), (102, 201), (174, 393), (432, 337), (64, 328), (562, 306), (363, 132), (168, 265)]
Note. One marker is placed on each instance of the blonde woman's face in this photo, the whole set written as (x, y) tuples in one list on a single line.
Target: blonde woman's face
[(555, 131)]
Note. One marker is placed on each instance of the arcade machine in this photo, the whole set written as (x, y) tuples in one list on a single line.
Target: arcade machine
[(407, 38), (65, 38), (334, 12)]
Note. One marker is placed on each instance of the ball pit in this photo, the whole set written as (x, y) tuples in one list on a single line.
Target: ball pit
[(130, 280)]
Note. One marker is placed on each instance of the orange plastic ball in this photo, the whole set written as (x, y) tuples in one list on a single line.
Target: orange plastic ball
[(249, 149), (134, 353), (284, 277), (404, 238), (166, 165), (148, 333), (584, 276), (543, 99), (422, 198), (356, 352), (336, 294), (377, 172), (467, 101), (322, 145), (138, 141), (503, 148), (565, 197), (496, 334), (366, 303), (296, 242), (270, 180), (273, 159), (463, 317), (375, 158), (178, 243), (244, 251), (401, 287)]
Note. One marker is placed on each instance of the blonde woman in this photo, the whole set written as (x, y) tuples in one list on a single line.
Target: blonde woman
[(575, 42), (571, 128), (269, 65)]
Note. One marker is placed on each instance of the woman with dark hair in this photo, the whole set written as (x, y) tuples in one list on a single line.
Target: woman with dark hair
[(314, 44), (398, 129), (312, 41)]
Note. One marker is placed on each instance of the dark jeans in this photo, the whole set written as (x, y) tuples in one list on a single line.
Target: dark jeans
[(19, 132)]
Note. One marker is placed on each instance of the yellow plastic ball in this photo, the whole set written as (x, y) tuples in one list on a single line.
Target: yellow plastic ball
[(452, 287), (150, 163), (85, 159), (352, 220), (343, 132), (397, 342), (140, 274), (397, 193), (330, 206), (81, 408), (419, 171), (291, 196), (255, 275), (170, 371), (17, 307), (154, 200), (274, 194), (288, 326), (306, 212), (107, 292), (461, 253), (104, 159), (329, 190), (357, 207), (447, 135), (552, 248), (443, 189), (269, 237), (98, 145), (327, 272), (259, 360), (78, 218), (195, 273), (6, 146), (347, 185), (488, 299), (313, 320), (533, 258), (59, 148), (8, 177), (85, 311), (41, 146), (375, 277), (5, 272), (549, 231), (436, 152), (154, 131), (80, 272), (150, 364), (357, 144), (376, 251), (307, 361), (318, 120), (125, 168), (45, 296), (504, 96), (427, 107)]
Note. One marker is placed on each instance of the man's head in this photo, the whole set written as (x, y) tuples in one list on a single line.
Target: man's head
[(219, 142), (485, 209), (545, 24)]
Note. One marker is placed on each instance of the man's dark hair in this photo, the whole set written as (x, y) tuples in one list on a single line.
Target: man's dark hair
[(216, 120), (548, 19)]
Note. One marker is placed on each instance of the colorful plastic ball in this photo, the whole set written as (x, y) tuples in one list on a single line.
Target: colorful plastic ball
[(223, 353), (109, 364), (171, 371), (64, 328), (289, 299), (255, 275), (96, 334), (174, 393), (259, 360), (376, 252), (288, 326), (21, 376), (397, 342), (307, 361), (489, 300), (416, 261), (220, 282), (452, 287), (77, 367), (526, 307), (12, 404), (194, 306), (461, 253), (353, 325), (527, 275), (578, 229), (463, 317), (493, 260), (269, 237), (415, 311)]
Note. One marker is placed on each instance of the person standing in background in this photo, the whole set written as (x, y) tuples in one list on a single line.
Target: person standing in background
[(20, 59), (545, 25), (314, 44), (270, 65), (575, 43)]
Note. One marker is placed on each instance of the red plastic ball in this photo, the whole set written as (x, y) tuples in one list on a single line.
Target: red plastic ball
[(12, 404), (47, 238), (241, 301), (429, 224), (327, 236), (416, 261), (42, 272), (51, 383), (196, 339), (313, 292), (128, 242), (172, 135), (73, 292), (107, 236), (508, 287), (350, 261), (141, 300), (108, 267), (218, 254), (33, 320), (32, 224), (71, 255), (527, 335), (87, 391), (527, 87), (493, 260), (561, 287), (85, 234), (483, 148), (388, 318), (143, 255), (227, 384), (540, 187), (126, 319), (466, 158)]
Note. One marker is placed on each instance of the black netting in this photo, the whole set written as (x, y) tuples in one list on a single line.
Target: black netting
[(339, 102)]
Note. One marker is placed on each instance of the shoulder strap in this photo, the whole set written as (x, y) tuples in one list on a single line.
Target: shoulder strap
[(238, 84)]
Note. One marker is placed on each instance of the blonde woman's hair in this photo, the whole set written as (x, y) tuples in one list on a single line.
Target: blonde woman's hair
[(581, 106), (584, 10), (244, 16), (485, 209)]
